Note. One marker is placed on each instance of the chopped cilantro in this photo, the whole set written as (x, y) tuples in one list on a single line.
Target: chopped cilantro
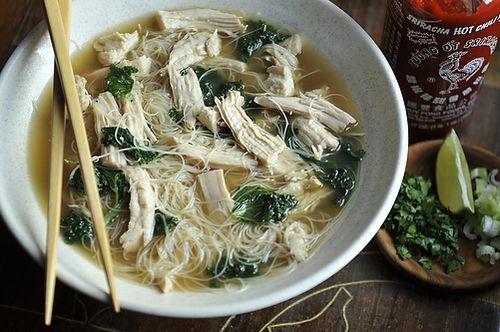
[(425, 263), (403, 252), (422, 227)]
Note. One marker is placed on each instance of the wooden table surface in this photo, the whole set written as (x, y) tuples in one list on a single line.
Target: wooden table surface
[(367, 295)]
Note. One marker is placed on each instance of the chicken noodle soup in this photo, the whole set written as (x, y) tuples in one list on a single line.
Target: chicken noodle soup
[(223, 149)]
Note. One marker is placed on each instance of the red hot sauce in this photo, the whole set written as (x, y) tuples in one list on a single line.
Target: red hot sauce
[(440, 51)]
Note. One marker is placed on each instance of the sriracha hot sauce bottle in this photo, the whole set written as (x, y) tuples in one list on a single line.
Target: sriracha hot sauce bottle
[(440, 51)]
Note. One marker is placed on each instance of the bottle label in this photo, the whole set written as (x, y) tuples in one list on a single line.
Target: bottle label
[(439, 63)]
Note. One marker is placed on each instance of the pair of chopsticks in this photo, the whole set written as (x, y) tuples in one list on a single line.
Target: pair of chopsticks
[(58, 14)]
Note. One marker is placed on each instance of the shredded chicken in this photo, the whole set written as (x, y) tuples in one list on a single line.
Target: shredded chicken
[(253, 138), (107, 114), (186, 89), (312, 133), (311, 105), (113, 48), (201, 19), (301, 187), (291, 166), (165, 284), (83, 95), (188, 98), (226, 63), (280, 81), (280, 56), (215, 158), (133, 114), (217, 199), (142, 210), (311, 201), (142, 63), (296, 238), (293, 44), (96, 80), (194, 48)]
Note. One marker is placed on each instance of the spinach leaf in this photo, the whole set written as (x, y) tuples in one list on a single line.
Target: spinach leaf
[(77, 227), (350, 150), (109, 182), (229, 269), (123, 138), (258, 205), (336, 168), (175, 115), (341, 179), (164, 223), (258, 34), (119, 80), (214, 85)]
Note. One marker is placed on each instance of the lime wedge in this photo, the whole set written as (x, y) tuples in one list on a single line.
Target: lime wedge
[(453, 182)]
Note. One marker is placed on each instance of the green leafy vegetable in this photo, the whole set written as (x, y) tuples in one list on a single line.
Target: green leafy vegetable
[(214, 85), (258, 205), (229, 269), (336, 168), (120, 81), (164, 223), (109, 182), (403, 252), (76, 227), (350, 150), (258, 34), (425, 263), (175, 115), (341, 179), (422, 227), (123, 138)]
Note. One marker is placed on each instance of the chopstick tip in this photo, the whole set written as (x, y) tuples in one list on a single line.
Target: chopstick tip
[(48, 319)]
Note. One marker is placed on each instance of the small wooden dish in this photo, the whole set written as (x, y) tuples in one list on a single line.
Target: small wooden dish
[(474, 274)]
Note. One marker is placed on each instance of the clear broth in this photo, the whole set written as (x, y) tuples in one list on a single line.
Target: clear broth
[(85, 61)]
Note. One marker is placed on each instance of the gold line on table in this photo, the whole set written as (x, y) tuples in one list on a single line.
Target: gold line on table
[(66, 74)]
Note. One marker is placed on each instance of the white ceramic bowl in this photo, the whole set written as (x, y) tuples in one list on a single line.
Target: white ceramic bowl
[(336, 35)]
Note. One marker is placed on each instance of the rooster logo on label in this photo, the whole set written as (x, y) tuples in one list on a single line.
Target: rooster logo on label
[(450, 70)]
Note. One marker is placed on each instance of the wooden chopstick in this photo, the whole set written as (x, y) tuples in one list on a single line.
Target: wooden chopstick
[(56, 174), (56, 29)]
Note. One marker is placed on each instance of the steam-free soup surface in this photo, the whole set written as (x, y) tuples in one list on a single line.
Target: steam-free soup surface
[(211, 169)]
